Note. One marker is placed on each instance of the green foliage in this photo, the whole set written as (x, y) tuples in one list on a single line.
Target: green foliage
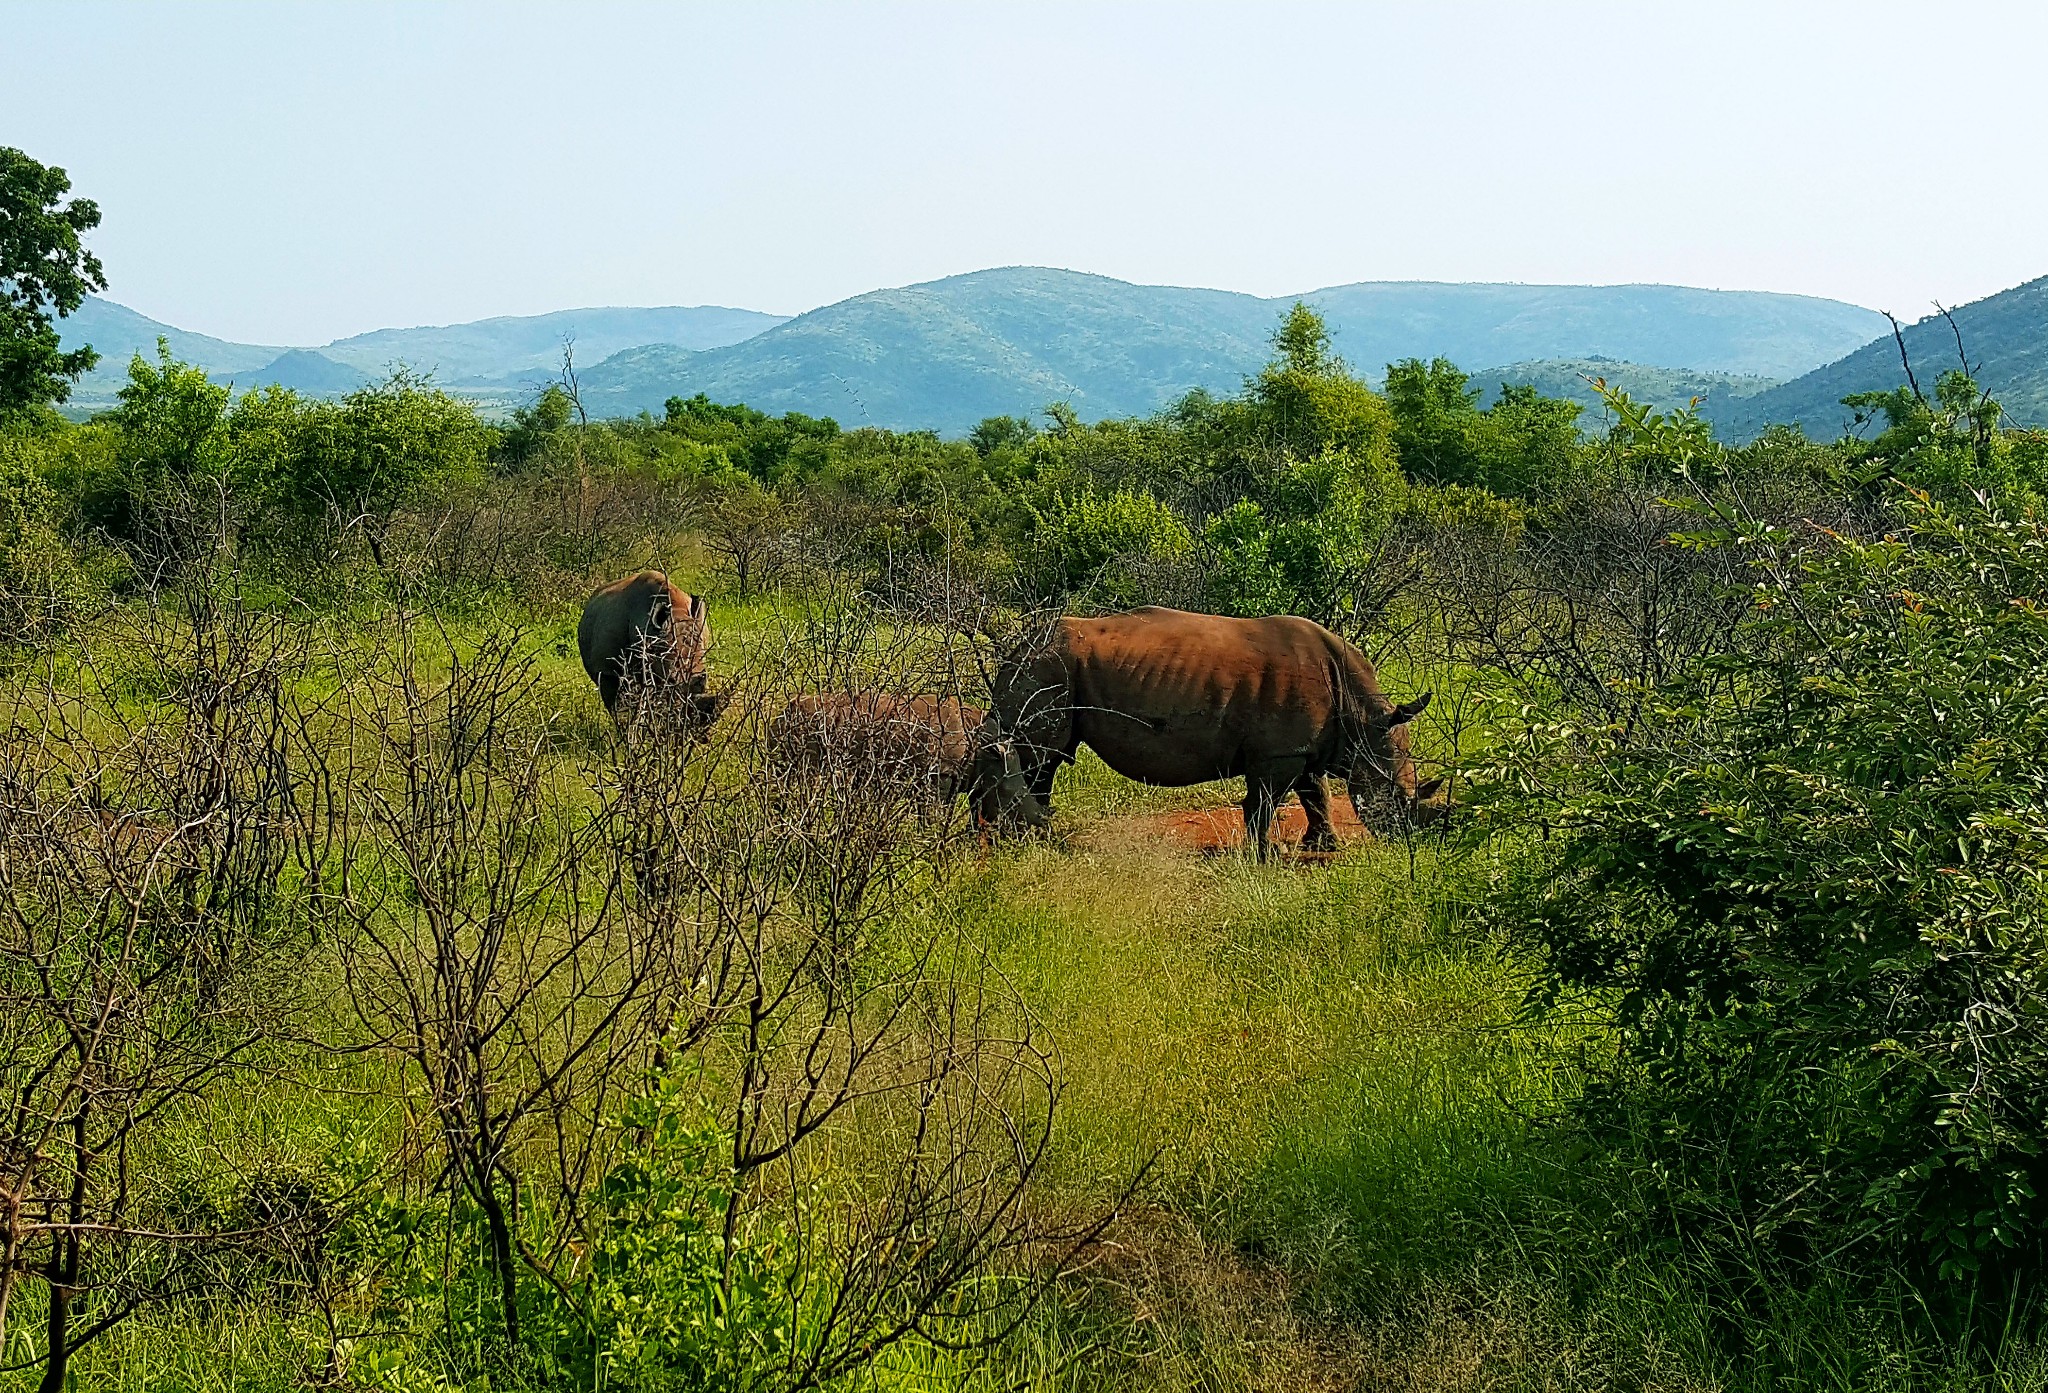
[(391, 444), (43, 580), (43, 267), (1105, 548), (1522, 446), (1808, 894), (675, 1299), (169, 418), (1310, 547), (774, 449), (999, 432), (534, 425), (1677, 445), (1951, 446), (1306, 402)]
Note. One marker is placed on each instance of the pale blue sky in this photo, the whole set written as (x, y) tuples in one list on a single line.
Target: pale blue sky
[(289, 173)]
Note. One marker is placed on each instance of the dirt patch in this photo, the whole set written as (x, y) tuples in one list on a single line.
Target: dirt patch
[(1219, 830)]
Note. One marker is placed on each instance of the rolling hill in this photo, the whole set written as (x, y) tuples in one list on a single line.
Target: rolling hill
[(513, 347), (1664, 388), (503, 353), (944, 354), (2005, 336), (947, 353), (119, 333)]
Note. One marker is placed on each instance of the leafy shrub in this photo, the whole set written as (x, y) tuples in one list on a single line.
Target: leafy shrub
[(1313, 547), (1107, 548), (1523, 446), (1807, 891), (1950, 445), (665, 1309), (42, 580)]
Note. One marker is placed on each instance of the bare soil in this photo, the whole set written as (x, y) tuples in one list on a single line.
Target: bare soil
[(1218, 830)]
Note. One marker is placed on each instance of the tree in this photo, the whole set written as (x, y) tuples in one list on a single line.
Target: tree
[(749, 528), (1524, 446), (42, 267), (1435, 413), (1806, 889)]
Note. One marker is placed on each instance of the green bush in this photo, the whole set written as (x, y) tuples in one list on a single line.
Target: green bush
[(42, 579), (1807, 892), (1523, 446), (665, 1309), (1312, 547), (1107, 548)]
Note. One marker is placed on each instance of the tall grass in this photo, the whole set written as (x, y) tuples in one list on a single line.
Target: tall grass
[(1359, 1175)]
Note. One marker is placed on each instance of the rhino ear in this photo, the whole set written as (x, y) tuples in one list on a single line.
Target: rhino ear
[(1408, 710)]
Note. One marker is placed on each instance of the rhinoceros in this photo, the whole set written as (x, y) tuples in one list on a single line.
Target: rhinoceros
[(939, 744), (642, 632), (1172, 698)]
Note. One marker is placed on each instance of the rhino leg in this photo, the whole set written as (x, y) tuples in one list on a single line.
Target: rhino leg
[(1315, 801), (1041, 782), (1264, 787)]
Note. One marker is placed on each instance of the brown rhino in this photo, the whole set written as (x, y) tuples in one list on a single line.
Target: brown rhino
[(643, 632), (938, 742), (1172, 698)]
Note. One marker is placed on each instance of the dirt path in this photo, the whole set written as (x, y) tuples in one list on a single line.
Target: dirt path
[(1218, 830)]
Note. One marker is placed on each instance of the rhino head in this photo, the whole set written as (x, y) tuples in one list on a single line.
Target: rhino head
[(999, 790), (1381, 774)]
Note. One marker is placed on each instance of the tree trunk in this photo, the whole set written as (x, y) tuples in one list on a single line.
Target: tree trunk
[(63, 1269), (501, 1249)]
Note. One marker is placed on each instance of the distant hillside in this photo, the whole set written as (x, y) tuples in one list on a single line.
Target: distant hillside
[(304, 371), (495, 350), (503, 353), (1750, 332), (119, 333), (947, 353), (2005, 335), (1664, 388)]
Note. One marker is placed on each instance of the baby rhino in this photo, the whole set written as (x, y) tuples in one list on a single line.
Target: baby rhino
[(938, 744)]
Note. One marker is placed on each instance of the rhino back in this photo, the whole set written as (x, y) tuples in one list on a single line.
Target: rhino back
[(1169, 697)]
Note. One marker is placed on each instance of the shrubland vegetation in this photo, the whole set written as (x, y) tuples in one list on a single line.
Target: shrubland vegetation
[(371, 1013)]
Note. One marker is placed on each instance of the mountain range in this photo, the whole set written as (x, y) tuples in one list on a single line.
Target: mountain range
[(944, 354), (2002, 338), (494, 357), (947, 353)]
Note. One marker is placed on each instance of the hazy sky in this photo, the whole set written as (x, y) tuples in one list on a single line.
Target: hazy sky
[(289, 173)]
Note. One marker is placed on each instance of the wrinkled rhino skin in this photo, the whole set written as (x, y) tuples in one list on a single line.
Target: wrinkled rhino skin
[(1171, 698)]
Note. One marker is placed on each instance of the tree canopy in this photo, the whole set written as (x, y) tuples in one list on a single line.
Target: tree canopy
[(44, 269)]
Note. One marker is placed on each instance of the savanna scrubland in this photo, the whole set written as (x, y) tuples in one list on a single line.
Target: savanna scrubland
[(374, 1013)]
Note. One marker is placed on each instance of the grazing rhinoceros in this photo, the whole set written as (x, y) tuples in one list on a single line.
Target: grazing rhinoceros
[(938, 743), (1172, 698), (642, 632)]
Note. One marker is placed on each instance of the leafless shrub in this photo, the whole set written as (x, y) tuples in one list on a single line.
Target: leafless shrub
[(545, 535), (830, 1006), (1593, 608), (157, 821), (529, 938), (481, 933)]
